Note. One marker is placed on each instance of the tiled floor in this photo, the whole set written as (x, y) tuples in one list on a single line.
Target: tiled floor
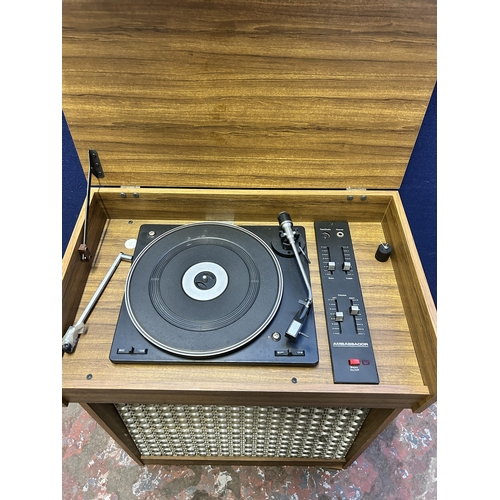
[(399, 465)]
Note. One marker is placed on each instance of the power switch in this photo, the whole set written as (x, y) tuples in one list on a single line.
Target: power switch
[(354, 362)]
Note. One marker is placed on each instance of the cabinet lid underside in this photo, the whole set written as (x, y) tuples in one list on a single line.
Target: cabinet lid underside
[(247, 93)]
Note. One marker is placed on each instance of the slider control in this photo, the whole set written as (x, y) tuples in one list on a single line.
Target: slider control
[(354, 310)]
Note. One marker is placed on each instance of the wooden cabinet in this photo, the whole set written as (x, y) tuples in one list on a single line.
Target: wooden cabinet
[(236, 111)]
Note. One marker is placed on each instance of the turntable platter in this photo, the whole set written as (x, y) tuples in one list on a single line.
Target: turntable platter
[(204, 289)]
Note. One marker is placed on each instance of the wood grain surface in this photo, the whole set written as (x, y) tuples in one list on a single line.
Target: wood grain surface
[(415, 295), (400, 375), (247, 93), (75, 277)]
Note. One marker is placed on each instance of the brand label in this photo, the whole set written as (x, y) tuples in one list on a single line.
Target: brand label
[(350, 344)]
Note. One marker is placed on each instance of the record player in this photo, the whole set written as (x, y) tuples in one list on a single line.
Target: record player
[(218, 318), (215, 292)]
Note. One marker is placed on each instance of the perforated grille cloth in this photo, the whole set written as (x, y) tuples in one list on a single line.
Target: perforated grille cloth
[(250, 431)]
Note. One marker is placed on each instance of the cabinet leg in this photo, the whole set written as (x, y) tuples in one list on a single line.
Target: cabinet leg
[(376, 421), (107, 417)]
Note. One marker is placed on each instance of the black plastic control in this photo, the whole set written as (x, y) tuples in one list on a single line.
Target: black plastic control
[(131, 350), (290, 352), (349, 338)]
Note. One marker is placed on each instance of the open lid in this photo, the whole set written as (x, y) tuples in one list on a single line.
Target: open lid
[(247, 93)]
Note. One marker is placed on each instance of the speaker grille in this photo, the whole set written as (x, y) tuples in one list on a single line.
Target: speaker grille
[(242, 431)]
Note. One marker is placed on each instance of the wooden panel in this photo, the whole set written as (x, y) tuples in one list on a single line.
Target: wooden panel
[(261, 205), (415, 295), (109, 419), (285, 94), (401, 382), (76, 271), (375, 423), (262, 461), (244, 388)]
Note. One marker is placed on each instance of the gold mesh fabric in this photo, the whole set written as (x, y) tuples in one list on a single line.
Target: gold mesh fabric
[(242, 431)]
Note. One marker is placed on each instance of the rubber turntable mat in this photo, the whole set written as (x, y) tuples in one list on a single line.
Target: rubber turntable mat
[(203, 289)]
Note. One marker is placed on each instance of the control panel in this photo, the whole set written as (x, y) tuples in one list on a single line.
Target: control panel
[(349, 338)]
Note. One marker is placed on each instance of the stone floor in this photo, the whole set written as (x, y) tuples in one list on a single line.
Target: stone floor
[(399, 465)]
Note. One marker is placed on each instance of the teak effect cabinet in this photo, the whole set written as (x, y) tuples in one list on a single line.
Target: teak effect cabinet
[(235, 111)]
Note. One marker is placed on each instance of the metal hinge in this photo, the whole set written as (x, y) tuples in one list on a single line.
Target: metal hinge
[(95, 164), (352, 192), (123, 194)]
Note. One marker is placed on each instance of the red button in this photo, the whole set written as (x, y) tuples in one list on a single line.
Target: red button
[(354, 362)]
